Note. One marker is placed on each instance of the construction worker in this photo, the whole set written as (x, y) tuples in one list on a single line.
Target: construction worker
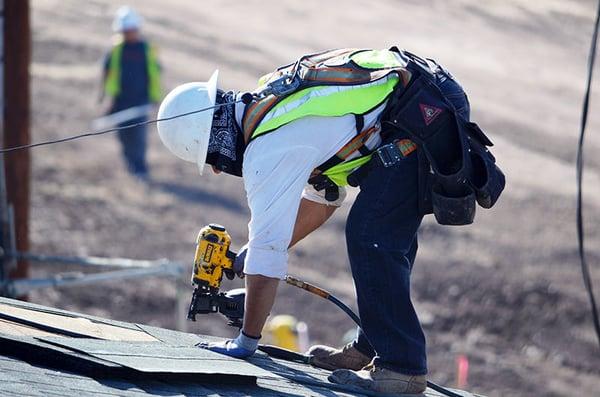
[(132, 80), (385, 120)]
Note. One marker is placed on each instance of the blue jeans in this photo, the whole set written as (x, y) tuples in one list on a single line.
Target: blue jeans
[(133, 145), (381, 237)]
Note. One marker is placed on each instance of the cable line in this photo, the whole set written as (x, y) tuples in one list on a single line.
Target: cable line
[(115, 129), (585, 271)]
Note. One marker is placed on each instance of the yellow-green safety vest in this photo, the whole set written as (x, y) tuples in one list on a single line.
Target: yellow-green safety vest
[(333, 83), (112, 85)]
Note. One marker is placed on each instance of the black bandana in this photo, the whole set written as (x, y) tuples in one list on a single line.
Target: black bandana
[(226, 145)]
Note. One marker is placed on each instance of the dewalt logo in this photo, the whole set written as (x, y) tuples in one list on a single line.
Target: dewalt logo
[(208, 253)]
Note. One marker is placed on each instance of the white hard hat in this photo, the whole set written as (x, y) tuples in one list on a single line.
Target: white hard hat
[(187, 136), (126, 19)]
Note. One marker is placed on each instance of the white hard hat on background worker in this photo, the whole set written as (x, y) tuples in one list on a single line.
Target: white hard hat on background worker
[(126, 19), (187, 137)]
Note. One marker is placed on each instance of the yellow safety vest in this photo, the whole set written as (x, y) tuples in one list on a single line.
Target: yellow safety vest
[(333, 83), (112, 85)]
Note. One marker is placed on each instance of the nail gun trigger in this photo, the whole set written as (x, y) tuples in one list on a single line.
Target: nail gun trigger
[(229, 274)]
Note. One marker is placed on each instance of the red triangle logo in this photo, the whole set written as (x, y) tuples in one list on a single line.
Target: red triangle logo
[(429, 113)]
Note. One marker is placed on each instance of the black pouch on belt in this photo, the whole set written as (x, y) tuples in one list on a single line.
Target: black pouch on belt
[(487, 178), (422, 112), (456, 169)]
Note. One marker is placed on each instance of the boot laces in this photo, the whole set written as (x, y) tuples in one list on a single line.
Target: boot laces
[(370, 367)]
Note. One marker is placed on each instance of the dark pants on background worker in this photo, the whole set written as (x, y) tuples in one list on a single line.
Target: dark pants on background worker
[(133, 144), (381, 235)]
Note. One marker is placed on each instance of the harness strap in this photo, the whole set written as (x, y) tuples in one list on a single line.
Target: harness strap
[(360, 122), (331, 162), (356, 143), (321, 181), (364, 150)]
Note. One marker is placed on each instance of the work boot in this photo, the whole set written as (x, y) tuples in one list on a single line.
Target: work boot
[(380, 380), (348, 357)]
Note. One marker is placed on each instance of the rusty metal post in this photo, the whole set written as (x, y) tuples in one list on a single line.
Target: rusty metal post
[(16, 97)]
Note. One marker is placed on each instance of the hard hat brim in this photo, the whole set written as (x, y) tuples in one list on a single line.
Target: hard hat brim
[(211, 88), (185, 120)]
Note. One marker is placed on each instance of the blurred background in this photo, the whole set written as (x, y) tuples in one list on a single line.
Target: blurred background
[(506, 292)]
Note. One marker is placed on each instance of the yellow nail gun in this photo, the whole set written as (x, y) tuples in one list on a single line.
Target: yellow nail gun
[(213, 258)]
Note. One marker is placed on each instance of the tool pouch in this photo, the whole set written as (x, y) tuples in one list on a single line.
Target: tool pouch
[(422, 112), (462, 170), (487, 178), (453, 210)]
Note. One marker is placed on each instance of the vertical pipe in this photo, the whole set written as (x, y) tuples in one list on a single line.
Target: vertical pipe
[(17, 43)]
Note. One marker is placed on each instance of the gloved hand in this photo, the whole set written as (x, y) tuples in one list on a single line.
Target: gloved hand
[(323, 182), (241, 347), (238, 264)]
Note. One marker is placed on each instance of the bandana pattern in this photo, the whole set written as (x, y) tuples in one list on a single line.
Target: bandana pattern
[(223, 133), (226, 145)]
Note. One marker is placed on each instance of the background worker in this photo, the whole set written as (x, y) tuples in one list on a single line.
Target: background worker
[(132, 79), (322, 133)]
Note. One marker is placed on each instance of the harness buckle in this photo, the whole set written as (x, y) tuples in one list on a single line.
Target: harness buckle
[(283, 86), (389, 154)]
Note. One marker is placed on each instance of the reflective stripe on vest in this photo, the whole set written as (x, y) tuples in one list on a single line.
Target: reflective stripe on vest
[(331, 100), (112, 85), (334, 83)]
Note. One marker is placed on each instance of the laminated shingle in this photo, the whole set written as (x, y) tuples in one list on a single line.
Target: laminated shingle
[(80, 326), (161, 358), (170, 337), (69, 366), (35, 350)]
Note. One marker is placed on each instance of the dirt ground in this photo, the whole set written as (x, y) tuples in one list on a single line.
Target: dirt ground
[(506, 291)]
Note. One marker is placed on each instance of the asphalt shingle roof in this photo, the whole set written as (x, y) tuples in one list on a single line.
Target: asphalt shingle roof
[(166, 365)]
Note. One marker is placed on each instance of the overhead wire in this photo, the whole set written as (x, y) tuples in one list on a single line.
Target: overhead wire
[(587, 280), (115, 129)]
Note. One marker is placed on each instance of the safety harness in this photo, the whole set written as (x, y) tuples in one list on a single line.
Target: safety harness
[(330, 83), (460, 168)]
